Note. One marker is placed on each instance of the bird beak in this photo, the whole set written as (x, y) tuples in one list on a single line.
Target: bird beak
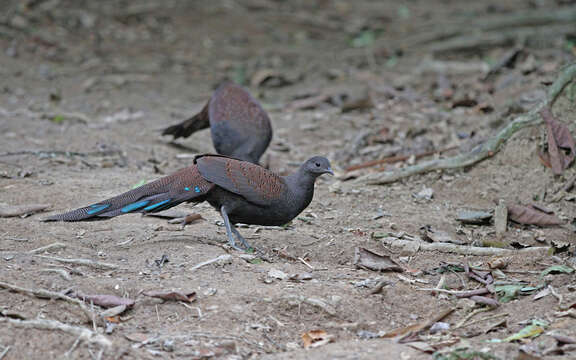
[(329, 171)]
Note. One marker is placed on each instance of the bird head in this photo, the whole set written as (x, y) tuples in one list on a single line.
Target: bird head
[(317, 166)]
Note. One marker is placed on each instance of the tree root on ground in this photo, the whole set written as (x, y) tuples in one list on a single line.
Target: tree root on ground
[(485, 150)]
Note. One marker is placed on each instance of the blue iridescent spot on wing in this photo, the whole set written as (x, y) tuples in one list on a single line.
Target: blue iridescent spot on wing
[(134, 206), (187, 188), (196, 189), (154, 206), (96, 208)]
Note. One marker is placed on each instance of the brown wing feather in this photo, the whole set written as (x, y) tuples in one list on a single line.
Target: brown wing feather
[(255, 183)]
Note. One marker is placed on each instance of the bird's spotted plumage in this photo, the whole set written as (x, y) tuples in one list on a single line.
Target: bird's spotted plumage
[(239, 126), (241, 191)]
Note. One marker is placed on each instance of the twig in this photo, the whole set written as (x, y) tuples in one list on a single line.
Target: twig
[(431, 33), (219, 259), (54, 246), (398, 158), (47, 294), (475, 41), (83, 333), (85, 262), (73, 347), (481, 320), (414, 246), (65, 275), (487, 149), (306, 263), (469, 316), (4, 352)]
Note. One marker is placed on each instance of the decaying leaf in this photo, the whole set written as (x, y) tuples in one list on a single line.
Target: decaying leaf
[(188, 296), (557, 269), (22, 210), (114, 311), (367, 259), (561, 145), (105, 301), (530, 215), (315, 338), (536, 328), (499, 262)]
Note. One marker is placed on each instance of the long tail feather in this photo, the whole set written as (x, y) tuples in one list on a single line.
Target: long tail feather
[(164, 193), (188, 127)]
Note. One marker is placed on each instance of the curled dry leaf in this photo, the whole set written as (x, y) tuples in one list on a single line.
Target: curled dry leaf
[(367, 259), (105, 301), (561, 145), (500, 262), (112, 313), (315, 338), (188, 296), (22, 210), (530, 215)]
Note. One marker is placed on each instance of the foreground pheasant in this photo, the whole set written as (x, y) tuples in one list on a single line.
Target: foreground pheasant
[(239, 126), (243, 193)]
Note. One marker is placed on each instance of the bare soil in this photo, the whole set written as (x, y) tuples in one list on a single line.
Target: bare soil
[(87, 86)]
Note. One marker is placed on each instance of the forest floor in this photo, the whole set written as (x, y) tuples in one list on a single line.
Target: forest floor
[(87, 87)]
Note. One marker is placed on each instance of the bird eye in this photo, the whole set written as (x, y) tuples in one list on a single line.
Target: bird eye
[(317, 164)]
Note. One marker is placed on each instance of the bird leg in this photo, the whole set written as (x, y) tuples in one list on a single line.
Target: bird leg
[(231, 231), (241, 238)]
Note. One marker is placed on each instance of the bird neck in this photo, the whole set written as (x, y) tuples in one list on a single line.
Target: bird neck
[(301, 181)]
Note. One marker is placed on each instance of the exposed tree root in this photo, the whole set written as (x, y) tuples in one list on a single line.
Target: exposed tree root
[(488, 148)]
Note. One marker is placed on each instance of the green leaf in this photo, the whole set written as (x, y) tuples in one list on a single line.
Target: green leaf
[(140, 183), (508, 293), (364, 39), (536, 328), (58, 119), (557, 269)]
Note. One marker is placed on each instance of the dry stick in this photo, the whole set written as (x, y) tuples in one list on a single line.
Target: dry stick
[(4, 352), (490, 147), (83, 333), (415, 246), (475, 41), (483, 319), (219, 259), (54, 246), (85, 262), (47, 294), (431, 33), (469, 316), (398, 158)]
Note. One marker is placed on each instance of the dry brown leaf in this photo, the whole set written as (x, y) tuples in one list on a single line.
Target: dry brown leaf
[(561, 145), (315, 338), (529, 215), (367, 259), (105, 301), (22, 210), (188, 296)]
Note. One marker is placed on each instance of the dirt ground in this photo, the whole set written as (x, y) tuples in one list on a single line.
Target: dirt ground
[(87, 87)]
